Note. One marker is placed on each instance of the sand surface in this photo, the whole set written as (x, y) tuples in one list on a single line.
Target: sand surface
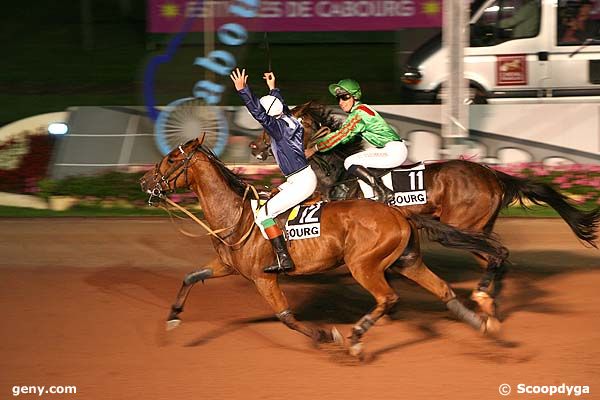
[(83, 303)]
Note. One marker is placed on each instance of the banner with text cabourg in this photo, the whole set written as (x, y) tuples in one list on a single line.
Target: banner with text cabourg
[(169, 16)]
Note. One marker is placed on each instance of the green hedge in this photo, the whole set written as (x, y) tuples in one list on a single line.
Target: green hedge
[(114, 185), (125, 186)]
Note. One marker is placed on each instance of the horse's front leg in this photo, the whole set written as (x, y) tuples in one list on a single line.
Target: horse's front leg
[(269, 288), (214, 269)]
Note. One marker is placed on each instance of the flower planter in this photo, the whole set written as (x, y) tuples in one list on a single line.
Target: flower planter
[(61, 203)]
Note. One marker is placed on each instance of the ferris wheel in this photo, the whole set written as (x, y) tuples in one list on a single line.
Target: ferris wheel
[(189, 118)]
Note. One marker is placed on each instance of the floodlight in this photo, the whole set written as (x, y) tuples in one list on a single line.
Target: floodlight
[(58, 128)]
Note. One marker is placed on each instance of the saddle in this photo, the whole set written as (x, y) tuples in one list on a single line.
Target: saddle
[(379, 172), (265, 194)]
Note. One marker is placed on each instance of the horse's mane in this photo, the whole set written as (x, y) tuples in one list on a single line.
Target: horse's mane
[(235, 182), (319, 113), (322, 116)]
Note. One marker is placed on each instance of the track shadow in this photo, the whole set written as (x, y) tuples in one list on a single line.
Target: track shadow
[(428, 333), (457, 266), (228, 328), (337, 298), (120, 281)]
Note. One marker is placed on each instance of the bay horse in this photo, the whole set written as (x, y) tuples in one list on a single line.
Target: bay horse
[(368, 238), (464, 194)]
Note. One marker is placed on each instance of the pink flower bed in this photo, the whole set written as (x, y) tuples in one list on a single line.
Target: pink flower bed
[(580, 181)]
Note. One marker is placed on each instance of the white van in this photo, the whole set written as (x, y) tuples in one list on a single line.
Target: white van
[(529, 49)]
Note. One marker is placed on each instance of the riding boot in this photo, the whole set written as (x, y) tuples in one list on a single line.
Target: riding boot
[(381, 192), (284, 261)]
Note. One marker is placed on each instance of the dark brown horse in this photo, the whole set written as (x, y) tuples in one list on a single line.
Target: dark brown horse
[(460, 193), (368, 238)]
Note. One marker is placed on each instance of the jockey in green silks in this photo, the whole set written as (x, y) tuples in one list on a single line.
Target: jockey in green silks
[(383, 148)]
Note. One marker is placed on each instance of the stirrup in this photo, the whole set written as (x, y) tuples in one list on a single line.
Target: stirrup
[(382, 195), (378, 198), (388, 197), (278, 267)]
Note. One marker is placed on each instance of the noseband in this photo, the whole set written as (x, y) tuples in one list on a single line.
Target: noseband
[(164, 181), (266, 145)]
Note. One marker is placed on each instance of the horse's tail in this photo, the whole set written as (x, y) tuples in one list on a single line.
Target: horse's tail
[(583, 223), (452, 237)]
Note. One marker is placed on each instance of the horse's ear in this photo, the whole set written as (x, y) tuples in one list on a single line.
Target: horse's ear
[(201, 138), (301, 109)]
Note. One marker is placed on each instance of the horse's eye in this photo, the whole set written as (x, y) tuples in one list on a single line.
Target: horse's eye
[(170, 160)]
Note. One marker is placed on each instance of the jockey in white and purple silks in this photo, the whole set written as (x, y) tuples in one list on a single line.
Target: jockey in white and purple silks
[(287, 136)]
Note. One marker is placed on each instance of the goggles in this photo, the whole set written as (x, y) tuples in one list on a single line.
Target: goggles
[(344, 96)]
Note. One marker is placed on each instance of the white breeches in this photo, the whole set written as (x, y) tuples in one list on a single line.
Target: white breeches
[(292, 192), (391, 155)]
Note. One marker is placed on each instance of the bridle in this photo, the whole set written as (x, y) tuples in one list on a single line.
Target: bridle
[(164, 181), (266, 146), (163, 186)]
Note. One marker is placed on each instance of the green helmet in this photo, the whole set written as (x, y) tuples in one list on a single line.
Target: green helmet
[(349, 86)]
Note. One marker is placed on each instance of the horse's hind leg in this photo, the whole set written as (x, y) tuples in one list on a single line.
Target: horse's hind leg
[(385, 297), (214, 269), (481, 219), (272, 293), (421, 274), (490, 284)]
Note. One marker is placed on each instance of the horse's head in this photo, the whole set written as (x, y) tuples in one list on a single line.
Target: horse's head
[(261, 147), (171, 172)]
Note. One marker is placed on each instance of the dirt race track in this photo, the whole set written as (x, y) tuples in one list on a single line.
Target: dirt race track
[(83, 303)]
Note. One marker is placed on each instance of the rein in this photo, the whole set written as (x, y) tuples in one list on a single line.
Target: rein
[(323, 131), (216, 232)]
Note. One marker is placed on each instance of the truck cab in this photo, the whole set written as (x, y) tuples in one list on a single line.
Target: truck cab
[(536, 50)]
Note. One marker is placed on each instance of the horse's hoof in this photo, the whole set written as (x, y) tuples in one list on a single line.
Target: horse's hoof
[(322, 336), (173, 323), (485, 302), (357, 350), (337, 336), (491, 326), (476, 295)]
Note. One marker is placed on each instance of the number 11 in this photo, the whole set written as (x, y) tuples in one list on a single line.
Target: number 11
[(413, 183)]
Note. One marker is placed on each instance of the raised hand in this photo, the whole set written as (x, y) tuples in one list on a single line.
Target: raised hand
[(270, 78), (239, 78), (308, 153)]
